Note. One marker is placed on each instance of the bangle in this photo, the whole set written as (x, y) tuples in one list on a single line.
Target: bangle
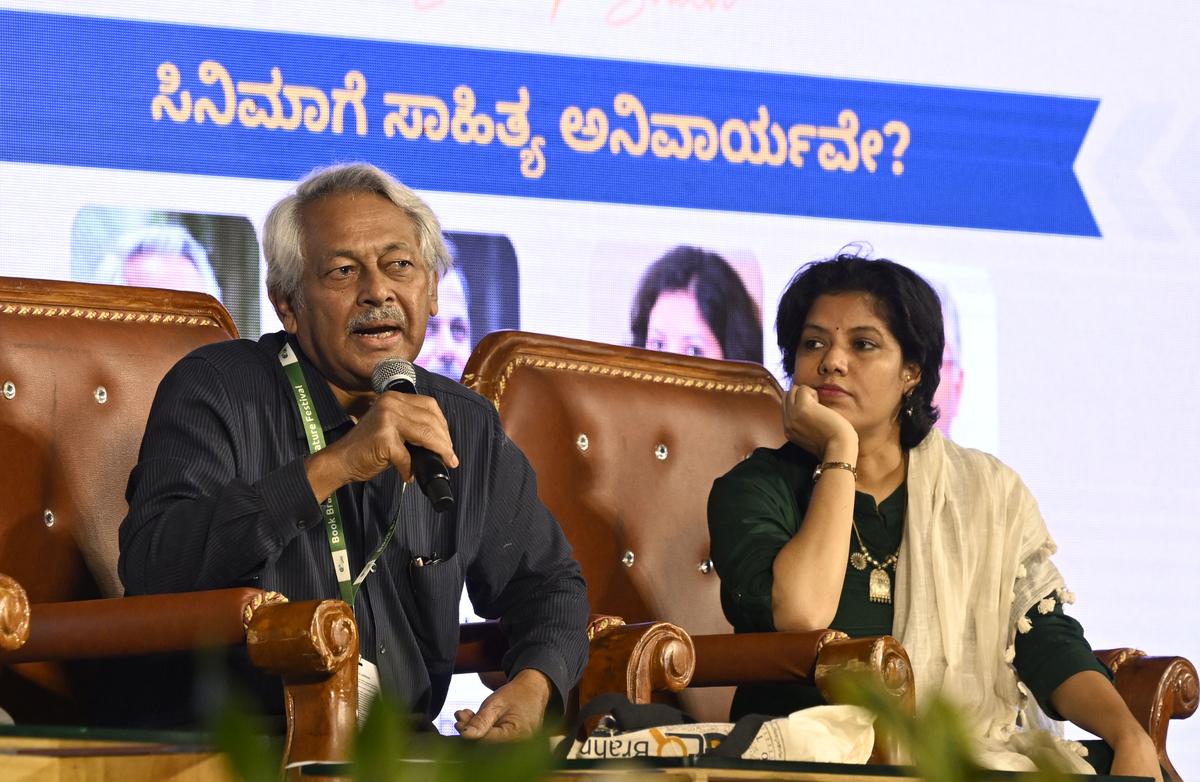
[(822, 467)]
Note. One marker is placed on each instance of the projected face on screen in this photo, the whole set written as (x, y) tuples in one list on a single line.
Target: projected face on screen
[(160, 256), (163, 270), (691, 301), (448, 334), (677, 326)]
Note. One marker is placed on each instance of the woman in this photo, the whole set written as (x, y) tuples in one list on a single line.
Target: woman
[(691, 301), (868, 521)]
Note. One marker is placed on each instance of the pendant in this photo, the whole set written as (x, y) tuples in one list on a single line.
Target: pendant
[(858, 560), (881, 586)]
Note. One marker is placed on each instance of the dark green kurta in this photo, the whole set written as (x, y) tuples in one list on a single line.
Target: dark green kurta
[(756, 508)]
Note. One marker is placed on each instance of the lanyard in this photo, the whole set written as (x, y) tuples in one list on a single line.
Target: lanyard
[(332, 514)]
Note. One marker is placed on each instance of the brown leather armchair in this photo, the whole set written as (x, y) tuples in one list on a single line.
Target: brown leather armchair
[(79, 367), (626, 444)]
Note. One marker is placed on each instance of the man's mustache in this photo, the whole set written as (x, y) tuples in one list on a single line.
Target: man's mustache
[(368, 318)]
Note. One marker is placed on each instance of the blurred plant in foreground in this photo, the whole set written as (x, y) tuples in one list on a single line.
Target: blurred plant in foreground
[(387, 749), (937, 736)]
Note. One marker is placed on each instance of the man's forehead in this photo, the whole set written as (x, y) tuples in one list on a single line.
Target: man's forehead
[(352, 222)]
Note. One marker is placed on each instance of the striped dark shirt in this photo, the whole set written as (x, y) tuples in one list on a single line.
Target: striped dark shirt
[(219, 498)]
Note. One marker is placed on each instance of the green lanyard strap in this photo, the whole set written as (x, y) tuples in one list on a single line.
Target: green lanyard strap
[(332, 514)]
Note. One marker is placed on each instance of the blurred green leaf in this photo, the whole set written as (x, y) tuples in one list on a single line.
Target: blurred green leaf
[(937, 736), (246, 742)]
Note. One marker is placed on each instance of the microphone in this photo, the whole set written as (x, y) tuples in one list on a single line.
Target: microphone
[(397, 374)]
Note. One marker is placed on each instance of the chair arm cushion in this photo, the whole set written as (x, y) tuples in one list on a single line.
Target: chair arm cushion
[(731, 659), (128, 626), (14, 614)]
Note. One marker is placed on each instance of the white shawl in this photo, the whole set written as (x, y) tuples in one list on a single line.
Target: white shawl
[(974, 560)]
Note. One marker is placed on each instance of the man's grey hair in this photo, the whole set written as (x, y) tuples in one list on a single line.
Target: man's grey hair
[(283, 232)]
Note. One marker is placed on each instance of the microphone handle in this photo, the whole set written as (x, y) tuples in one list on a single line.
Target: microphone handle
[(429, 469), (432, 476)]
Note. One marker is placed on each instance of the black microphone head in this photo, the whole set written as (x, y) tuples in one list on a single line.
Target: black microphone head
[(392, 374)]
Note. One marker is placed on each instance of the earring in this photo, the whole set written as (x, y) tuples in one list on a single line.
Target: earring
[(908, 404)]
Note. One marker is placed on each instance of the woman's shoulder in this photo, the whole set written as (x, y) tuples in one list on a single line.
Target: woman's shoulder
[(962, 463)]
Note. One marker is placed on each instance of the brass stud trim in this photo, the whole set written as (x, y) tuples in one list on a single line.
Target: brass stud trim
[(116, 316), (589, 368)]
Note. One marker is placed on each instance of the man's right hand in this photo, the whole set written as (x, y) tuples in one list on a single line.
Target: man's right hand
[(816, 428), (378, 441)]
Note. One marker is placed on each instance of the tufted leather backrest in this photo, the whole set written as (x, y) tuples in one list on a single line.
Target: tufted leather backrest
[(626, 444), (79, 366)]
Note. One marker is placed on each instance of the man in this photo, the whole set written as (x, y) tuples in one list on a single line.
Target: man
[(228, 491), (448, 335)]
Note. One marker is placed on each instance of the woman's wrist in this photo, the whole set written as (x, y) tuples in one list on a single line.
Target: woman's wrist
[(841, 449), (1131, 733)]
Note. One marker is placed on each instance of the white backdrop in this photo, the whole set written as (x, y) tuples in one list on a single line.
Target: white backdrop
[(1078, 351)]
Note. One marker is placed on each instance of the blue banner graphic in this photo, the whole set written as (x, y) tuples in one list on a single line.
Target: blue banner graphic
[(158, 97)]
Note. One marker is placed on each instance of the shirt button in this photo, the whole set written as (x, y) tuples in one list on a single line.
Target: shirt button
[(382, 649)]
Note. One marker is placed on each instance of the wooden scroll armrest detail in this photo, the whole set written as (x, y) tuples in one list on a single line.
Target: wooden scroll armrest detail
[(14, 614), (732, 659), (314, 646), (481, 647), (129, 626), (637, 660), (1156, 689), (883, 657)]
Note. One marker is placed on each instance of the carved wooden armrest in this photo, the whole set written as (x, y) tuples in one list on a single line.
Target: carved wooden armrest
[(816, 656), (481, 645), (130, 626), (1156, 689), (14, 614), (636, 660), (314, 647), (883, 657)]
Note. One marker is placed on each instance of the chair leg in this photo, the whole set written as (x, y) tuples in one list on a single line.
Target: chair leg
[(314, 647)]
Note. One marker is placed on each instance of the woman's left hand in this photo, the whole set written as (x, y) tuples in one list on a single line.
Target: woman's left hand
[(1134, 755), (1089, 700)]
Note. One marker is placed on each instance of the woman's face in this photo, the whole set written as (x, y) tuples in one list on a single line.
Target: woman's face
[(677, 325), (848, 354)]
